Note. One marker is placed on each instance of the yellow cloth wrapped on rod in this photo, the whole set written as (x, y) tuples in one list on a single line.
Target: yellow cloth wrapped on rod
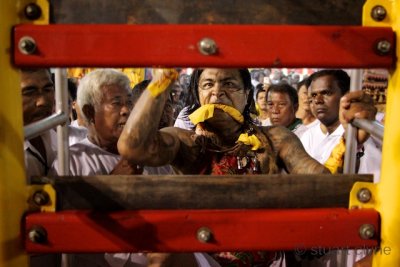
[(205, 112), (160, 83), (250, 140), (335, 160)]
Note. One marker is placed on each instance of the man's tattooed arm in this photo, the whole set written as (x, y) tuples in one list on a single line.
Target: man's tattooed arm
[(141, 142), (292, 153)]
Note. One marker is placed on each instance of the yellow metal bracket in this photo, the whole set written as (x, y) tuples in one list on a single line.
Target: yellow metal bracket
[(386, 201), (378, 13), (42, 197), (38, 11), (363, 196), (13, 199)]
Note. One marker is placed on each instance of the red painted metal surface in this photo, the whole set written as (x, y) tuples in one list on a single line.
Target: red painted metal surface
[(175, 230), (176, 45)]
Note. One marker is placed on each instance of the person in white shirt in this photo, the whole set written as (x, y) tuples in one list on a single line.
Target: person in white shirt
[(75, 116), (261, 102), (37, 91), (282, 104), (105, 98), (76, 129), (105, 101), (183, 121), (326, 89), (304, 111)]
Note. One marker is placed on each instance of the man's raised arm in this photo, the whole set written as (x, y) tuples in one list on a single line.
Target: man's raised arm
[(141, 142)]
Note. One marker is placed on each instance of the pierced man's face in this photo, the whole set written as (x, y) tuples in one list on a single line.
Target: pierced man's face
[(222, 86)]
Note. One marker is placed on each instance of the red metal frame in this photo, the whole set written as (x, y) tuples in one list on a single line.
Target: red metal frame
[(175, 230), (173, 46), (176, 45)]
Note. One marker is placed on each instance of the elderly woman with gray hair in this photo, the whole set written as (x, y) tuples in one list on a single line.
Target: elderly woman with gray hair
[(105, 99)]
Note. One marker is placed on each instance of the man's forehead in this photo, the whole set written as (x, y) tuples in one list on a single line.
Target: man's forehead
[(33, 78), (220, 74), (303, 88), (323, 83), (281, 95), (113, 90), (262, 93)]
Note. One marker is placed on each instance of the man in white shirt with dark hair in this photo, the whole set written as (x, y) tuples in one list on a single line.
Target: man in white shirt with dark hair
[(38, 101), (326, 89)]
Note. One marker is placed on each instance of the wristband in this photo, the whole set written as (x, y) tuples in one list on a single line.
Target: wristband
[(161, 84)]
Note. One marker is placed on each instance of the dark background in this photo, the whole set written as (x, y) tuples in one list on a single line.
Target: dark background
[(309, 12)]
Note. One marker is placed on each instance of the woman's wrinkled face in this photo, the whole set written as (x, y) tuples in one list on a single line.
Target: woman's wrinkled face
[(112, 113), (262, 100), (222, 86), (304, 102)]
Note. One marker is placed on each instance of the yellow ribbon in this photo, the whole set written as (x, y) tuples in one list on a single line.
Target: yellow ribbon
[(161, 84), (205, 112), (250, 140), (335, 160)]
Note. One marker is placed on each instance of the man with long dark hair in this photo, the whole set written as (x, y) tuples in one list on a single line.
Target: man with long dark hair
[(225, 141)]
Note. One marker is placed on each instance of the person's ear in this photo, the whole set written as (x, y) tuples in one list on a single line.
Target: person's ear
[(296, 107), (88, 111)]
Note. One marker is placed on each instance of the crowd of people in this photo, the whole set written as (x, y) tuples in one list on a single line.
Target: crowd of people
[(211, 122)]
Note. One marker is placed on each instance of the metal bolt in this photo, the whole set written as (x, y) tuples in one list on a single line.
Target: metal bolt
[(41, 198), (32, 11), (37, 235), (367, 231), (204, 235), (207, 46), (364, 195), (27, 45), (383, 47), (378, 13)]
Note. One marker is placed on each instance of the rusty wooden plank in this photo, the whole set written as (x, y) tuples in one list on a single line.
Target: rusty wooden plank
[(203, 192), (336, 12)]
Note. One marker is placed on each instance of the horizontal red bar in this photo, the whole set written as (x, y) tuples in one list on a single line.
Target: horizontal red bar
[(176, 230), (177, 46)]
